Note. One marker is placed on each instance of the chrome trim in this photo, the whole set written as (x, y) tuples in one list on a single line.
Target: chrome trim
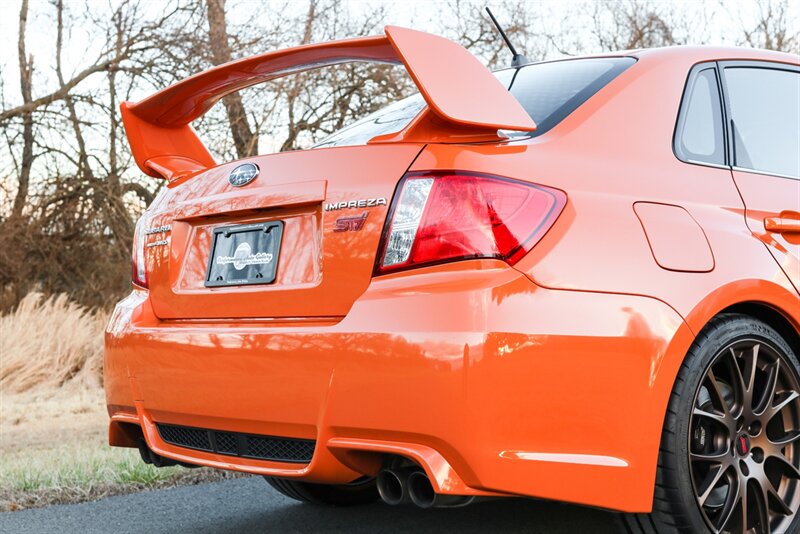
[(158, 229), (775, 174), (705, 164)]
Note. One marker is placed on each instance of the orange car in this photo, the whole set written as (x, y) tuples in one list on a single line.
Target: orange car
[(574, 280)]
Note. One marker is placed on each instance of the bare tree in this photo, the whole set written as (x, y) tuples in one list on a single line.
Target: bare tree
[(59, 94), (626, 25), (69, 187), (83, 157), (245, 140), (294, 86), (467, 23), (318, 102), (773, 28), (25, 81)]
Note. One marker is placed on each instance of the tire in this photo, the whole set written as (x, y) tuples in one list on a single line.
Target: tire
[(697, 446), (361, 491)]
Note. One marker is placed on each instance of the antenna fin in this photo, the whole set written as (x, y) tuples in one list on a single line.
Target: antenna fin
[(517, 60)]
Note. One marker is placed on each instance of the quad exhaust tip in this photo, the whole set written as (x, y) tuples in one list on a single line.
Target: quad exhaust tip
[(420, 489), (399, 486), (156, 460), (391, 487)]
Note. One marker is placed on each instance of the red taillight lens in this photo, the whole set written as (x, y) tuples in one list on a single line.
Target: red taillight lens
[(444, 217), (138, 267)]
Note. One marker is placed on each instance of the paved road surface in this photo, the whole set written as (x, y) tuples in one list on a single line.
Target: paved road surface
[(249, 505)]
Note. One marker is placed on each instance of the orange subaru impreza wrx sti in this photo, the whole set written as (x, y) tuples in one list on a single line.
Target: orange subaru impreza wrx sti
[(572, 280)]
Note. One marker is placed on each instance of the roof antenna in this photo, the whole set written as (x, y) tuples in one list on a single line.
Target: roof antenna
[(517, 60)]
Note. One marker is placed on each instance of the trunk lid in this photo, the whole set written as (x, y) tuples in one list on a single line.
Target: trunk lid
[(323, 265)]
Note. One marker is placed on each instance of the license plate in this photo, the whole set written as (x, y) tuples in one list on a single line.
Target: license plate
[(244, 254)]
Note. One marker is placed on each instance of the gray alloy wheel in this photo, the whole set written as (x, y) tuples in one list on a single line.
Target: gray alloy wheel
[(729, 461), (744, 440)]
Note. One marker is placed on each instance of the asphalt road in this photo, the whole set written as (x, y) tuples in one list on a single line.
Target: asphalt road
[(249, 505)]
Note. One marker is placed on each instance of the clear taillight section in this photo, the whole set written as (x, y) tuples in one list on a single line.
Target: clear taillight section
[(440, 217), (138, 267), (405, 220)]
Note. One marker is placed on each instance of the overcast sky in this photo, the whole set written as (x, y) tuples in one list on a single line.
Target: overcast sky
[(724, 27)]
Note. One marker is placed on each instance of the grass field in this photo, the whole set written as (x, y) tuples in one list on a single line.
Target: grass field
[(53, 422)]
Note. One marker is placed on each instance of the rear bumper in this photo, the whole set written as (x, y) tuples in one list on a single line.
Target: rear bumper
[(491, 383)]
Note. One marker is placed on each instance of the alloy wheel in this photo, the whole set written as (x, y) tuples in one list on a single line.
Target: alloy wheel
[(744, 440)]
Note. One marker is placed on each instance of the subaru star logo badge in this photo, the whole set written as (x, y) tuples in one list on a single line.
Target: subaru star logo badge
[(243, 174)]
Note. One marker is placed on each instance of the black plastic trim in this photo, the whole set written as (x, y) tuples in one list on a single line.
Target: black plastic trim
[(244, 443)]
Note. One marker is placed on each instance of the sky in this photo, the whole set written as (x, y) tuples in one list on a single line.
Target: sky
[(419, 13)]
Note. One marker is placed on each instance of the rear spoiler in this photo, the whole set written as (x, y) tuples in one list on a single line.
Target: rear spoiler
[(465, 101)]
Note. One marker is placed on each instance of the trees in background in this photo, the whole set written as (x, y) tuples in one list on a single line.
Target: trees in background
[(772, 27), (244, 139), (69, 190)]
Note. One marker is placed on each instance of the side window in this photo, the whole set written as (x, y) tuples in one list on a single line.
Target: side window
[(765, 115), (700, 136)]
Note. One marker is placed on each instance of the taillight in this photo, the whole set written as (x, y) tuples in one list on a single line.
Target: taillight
[(440, 217), (138, 267)]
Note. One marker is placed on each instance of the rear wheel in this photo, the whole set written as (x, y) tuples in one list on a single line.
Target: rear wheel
[(361, 491), (730, 450)]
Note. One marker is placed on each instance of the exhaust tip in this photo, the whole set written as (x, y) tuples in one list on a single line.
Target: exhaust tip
[(391, 487), (420, 489), (145, 452), (156, 460)]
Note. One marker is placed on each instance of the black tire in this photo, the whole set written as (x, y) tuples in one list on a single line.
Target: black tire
[(361, 491), (677, 505)]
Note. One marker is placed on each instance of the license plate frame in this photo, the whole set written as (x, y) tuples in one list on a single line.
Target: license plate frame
[(244, 254)]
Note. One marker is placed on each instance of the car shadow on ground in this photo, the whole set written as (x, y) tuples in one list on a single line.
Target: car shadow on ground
[(517, 515)]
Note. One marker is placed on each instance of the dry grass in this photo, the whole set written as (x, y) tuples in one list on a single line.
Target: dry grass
[(47, 342), (54, 450), (53, 422), (86, 470)]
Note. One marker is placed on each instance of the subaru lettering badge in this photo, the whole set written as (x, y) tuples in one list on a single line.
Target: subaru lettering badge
[(243, 174)]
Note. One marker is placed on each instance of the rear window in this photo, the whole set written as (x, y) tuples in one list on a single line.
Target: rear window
[(548, 92), (551, 91), (392, 118)]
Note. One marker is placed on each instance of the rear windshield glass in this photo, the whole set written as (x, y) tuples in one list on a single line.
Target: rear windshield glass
[(390, 119), (548, 92), (551, 91)]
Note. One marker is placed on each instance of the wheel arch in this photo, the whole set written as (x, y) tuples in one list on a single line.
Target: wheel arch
[(772, 316), (773, 303)]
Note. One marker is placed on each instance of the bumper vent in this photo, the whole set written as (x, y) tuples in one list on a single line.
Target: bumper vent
[(235, 444)]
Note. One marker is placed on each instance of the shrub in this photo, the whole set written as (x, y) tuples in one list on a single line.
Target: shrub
[(45, 342)]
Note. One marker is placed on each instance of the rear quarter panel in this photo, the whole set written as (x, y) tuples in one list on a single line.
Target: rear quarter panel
[(612, 153), (615, 151)]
